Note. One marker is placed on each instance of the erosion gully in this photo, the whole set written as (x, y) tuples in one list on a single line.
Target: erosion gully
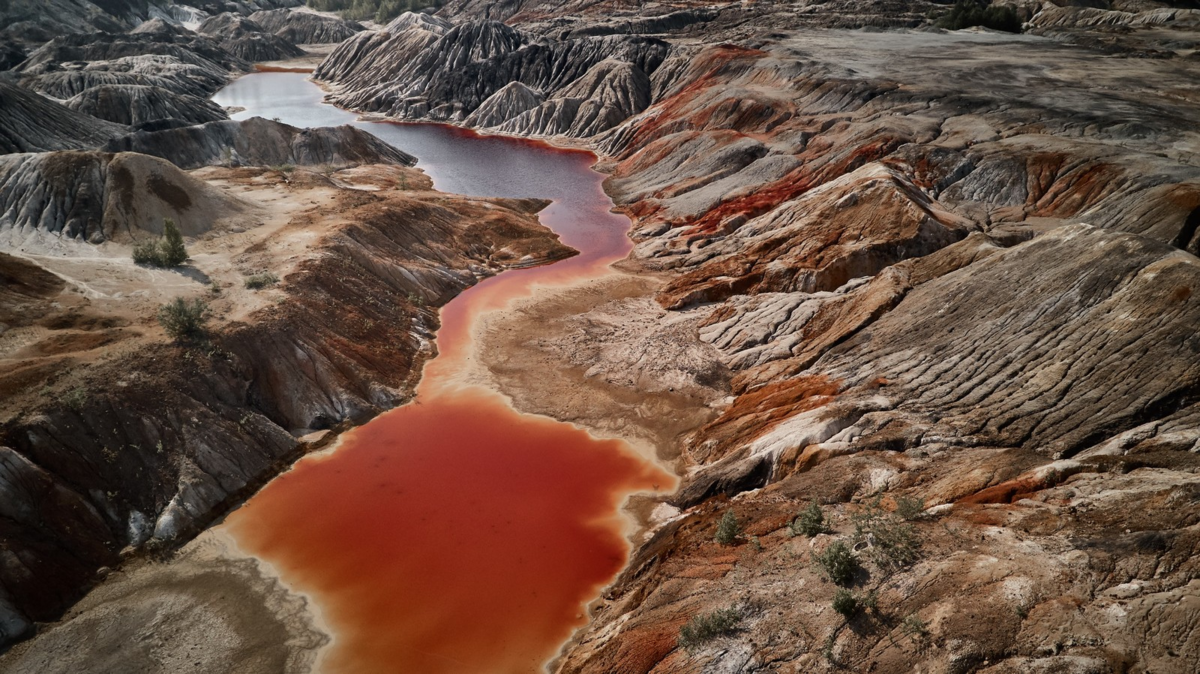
[(455, 534)]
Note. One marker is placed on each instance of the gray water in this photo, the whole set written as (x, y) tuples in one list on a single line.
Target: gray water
[(458, 160)]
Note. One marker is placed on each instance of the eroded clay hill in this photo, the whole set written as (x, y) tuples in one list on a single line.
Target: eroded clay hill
[(955, 270), (940, 284), (948, 269), (496, 76)]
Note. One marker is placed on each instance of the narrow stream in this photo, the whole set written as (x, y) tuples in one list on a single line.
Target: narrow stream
[(455, 534)]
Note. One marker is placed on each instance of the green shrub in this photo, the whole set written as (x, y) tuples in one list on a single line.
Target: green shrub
[(261, 280), (708, 626), (838, 563), (968, 13), (167, 251), (728, 529), (76, 398), (914, 627), (810, 521), (182, 319), (147, 253), (909, 508), (173, 251), (893, 543), (844, 602)]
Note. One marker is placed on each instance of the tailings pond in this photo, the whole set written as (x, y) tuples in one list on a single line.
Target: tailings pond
[(455, 534)]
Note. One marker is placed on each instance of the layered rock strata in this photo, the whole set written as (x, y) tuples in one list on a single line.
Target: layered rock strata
[(32, 123), (425, 69), (246, 39), (306, 27), (260, 142), (140, 104)]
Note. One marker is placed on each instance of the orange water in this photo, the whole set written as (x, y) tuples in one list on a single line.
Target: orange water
[(455, 534)]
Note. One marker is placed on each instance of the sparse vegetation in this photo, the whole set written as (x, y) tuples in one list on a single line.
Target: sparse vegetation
[(283, 168), (893, 543), (728, 529), (168, 251), (183, 319), (76, 398), (810, 521), (909, 508), (844, 602), (838, 563), (914, 627), (705, 627), (968, 13), (261, 280)]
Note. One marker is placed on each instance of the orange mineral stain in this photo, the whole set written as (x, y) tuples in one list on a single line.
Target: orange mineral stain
[(455, 534)]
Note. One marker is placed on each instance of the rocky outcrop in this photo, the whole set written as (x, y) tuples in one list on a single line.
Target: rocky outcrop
[(508, 103), (1052, 17), (602, 98), (32, 123), (371, 57), (183, 46), (97, 196), (851, 227), (36, 21), (163, 72), (260, 142), (246, 39), (306, 27), (11, 56), (133, 105), (590, 84), (974, 297)]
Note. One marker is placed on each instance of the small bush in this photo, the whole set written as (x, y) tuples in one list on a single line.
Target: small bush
[(708, 626), (261, 280), (909, 508), (728, 529), (283, 168), (173, 251), (167, 251), (968, 13), (76, 398), (914, 627), (838, 563), (844, 602), (147, 253), (893, 543), (810, 521), (869, 601), (182, 319)]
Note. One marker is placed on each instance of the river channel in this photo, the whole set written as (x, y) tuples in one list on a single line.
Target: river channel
[(455, 534)]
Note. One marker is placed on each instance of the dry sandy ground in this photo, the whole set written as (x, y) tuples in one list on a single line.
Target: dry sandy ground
[(209, 609), (602, 354)]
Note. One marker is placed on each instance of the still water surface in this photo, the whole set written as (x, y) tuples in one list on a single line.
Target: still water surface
[(455, 534)]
